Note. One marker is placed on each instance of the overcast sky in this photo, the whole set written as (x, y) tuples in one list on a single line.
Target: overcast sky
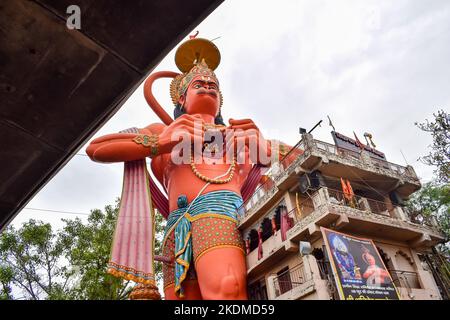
[(372, 66)]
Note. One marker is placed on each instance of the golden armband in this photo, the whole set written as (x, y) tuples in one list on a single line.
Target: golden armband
[(148, 141)]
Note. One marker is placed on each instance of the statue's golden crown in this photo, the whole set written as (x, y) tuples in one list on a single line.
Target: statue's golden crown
[(181, 82), (195, 57)]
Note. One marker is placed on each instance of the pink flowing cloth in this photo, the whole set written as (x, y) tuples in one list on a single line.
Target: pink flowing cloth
[(260, 248), (159, 199), (132, 250), (286, 223), (250, 184)]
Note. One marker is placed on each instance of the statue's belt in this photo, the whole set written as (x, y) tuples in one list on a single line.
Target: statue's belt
[(221, 204)]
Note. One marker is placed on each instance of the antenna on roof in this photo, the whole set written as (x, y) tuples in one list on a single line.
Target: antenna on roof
[(330, 123), (404, 157), (317, 125)]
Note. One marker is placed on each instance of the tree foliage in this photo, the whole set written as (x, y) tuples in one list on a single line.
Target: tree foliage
[(68, 264), (87, 248), (431, 202), (31, 259), (439, 155)]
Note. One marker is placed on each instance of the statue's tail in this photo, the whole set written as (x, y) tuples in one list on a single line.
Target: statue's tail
[(150, 98)]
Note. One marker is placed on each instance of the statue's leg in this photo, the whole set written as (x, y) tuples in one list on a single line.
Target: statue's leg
[(190, 285), (219, 259), (222, 274), (191, 291)]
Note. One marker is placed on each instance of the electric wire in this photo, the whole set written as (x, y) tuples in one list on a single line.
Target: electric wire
[(57, 211)]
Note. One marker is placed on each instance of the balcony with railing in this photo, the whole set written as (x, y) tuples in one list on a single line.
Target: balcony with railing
[(304, 156), (273, 235), (326, 207), (361, 203), (376, 218), (415, 285), (353, 156), (405, 279), (262, 193), (292, 284)]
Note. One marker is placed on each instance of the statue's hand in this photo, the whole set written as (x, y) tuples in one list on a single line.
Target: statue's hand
[(246, 133), (185, 125)]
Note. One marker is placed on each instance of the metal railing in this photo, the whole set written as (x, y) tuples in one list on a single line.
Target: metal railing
[(378, 163), (358, 202), (289, 279), (405, 279), (292, 155), (262, 192), (306, 208), (383, 164)]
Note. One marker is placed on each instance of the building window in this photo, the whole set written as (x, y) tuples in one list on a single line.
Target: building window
[(266, 229), (258, 290), (253, 236), (284, 280)]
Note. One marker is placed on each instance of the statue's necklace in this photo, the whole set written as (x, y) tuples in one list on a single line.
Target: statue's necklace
[(230, 173)]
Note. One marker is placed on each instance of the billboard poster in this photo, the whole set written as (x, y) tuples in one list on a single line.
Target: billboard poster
[(360, 273), (343, 142)]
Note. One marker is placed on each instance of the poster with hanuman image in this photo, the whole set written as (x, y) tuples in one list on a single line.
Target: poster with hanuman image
[(359, 271)]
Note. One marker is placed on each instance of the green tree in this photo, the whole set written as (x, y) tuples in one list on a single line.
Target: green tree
[(31, 259), (431, 202), (87, 248), (439, 155), (6, 278), (69, 264)]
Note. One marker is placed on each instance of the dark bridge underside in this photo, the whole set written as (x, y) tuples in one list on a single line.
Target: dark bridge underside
[(58, 86)]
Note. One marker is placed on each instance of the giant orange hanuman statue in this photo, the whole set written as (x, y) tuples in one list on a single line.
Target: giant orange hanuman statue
[(203, 252)]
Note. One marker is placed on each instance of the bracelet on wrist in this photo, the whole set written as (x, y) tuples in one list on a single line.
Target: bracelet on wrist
[(148, 141)]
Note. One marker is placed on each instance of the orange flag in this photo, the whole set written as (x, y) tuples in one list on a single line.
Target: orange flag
[(344, 187), (350, 189), (359, 143)]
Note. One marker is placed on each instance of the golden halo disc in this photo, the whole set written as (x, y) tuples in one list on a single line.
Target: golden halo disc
[(193, 51)]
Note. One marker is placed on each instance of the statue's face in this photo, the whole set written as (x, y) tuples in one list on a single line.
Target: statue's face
[(202, 97)]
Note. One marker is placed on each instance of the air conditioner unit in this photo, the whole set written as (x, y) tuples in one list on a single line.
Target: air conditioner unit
[(304, 248)]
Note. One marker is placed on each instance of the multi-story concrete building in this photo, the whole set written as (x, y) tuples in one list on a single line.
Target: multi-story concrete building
[(279, 216)]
